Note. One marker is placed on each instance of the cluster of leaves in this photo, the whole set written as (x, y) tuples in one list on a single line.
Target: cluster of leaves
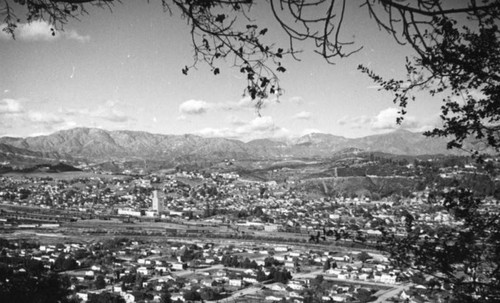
[(55, 12), (234, 261), (469, 62), (106, 297), (464, 255), (65, 262), (209, 294), (34, 286), (221, 30), (279, 275), (455, 58), (190, 254), (192, 295), (459, 60)]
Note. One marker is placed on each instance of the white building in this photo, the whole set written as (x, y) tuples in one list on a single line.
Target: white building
[(235, 282), (388, 278), (82, 296), (143, 271), (129, 212), (271, 227), (178, 266), (157, 202)]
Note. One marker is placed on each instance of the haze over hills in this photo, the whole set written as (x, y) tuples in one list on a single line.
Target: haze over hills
[(101, 145), (11, 154)]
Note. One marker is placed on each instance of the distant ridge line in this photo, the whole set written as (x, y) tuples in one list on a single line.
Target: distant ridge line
[(99, 144)]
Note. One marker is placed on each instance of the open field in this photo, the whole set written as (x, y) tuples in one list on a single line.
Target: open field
[(62, 175)]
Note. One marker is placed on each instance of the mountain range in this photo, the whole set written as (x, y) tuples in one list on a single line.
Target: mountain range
[(92, 144)]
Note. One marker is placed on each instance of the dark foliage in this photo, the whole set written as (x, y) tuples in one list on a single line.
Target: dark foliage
[(33, 288), (453, 57), (105, 297), (465, 254), (457, 57)]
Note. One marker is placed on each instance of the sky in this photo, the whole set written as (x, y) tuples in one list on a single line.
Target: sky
[(121, 70)]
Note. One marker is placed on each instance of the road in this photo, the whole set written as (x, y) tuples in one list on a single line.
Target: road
[(383, 295), (243, 292), (186, 272)]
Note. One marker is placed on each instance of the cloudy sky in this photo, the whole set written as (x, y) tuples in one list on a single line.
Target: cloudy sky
[(122, 70)]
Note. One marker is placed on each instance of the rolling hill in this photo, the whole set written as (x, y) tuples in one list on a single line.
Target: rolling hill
[(95, 144)]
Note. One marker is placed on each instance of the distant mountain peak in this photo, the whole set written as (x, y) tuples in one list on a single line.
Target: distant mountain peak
[(96, 144)]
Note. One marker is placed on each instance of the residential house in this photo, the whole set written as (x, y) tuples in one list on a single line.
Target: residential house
[(144, 271), (235, 282)]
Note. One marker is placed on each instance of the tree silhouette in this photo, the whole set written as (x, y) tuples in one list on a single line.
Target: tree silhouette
[(363, 256), (99, 282), (455, 43), (464, 254), (166, 297), (208, 294), (36, 288), (461, 61), (192, 295), (456, 56), (106, 297), (261, 276), (326, 265)]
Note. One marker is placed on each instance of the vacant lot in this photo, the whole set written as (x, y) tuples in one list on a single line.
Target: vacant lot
[(63, 175)]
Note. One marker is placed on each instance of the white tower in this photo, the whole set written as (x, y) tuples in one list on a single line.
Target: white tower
[(157, 203)]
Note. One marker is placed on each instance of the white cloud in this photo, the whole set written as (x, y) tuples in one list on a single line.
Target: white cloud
[(194, 107), (74, 35), (386, 120), (14, 116), (48, 122), (34, 31), (303, 115), (246, 103), (217, 132), (112, 115), (308, 131), (259, 124), (109, 111), (46, 127), (10, 106), (45, 118), (260, 127), (356, 122), (40, 30), (199, 107), (242, 104), (236, 121)]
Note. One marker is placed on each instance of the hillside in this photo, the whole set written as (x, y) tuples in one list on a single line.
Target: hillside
[(101, 145), (15, 156)]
